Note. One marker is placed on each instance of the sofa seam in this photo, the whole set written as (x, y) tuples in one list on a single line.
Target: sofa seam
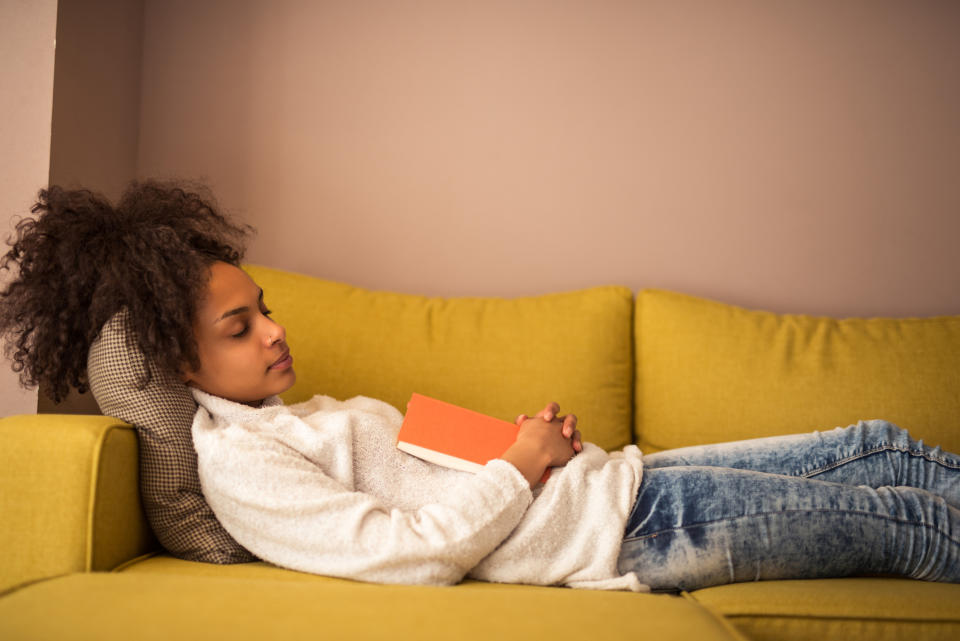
[(720, 618), (634, 437), (839, 617), (635, 315), (25, 584), (135, 560), (92, 503), (96, 464)]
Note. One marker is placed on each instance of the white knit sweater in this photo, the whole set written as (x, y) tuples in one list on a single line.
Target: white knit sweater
[(321, 487)]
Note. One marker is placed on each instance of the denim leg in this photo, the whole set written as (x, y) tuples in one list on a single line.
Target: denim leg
[(694, 527), (875, 453)]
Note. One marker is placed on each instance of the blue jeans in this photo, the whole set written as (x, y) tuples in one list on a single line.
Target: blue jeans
[(865, 499)]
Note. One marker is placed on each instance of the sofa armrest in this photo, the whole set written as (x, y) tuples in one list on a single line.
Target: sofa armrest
[(69, 496)]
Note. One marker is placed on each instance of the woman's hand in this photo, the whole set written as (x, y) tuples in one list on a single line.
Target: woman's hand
[(546, 440), (569, 423), (540, 444)]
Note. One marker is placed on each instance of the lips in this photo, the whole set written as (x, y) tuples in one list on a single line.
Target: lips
[(283, 362)]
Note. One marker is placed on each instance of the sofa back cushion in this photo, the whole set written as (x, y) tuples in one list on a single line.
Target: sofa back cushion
[(709, 372), (498, 356)]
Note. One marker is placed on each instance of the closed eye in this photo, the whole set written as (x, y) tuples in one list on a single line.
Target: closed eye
[(246, 327)]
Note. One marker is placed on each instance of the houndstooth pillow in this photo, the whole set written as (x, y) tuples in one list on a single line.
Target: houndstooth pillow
[(162, 413)]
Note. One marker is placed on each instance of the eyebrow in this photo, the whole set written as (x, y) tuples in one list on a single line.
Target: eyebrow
[(238, 310)]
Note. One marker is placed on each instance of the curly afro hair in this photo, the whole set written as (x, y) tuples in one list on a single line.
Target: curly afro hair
[(82, 259)]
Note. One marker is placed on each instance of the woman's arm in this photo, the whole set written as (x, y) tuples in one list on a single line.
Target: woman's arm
[(286, 510)]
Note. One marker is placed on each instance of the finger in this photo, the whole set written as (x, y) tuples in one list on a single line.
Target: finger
[(549, 411), (577, 442), (521, 418), (569, 424)]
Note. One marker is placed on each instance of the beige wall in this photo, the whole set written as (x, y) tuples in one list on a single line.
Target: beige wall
[(793, 156), (797, 156), (27, 34)]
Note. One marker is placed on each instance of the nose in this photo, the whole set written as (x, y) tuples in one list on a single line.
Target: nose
[(275, 332)]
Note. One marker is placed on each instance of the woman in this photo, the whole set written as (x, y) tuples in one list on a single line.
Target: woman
[(320, 487)]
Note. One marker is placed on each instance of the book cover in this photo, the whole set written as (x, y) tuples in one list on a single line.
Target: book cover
[(454, 436)]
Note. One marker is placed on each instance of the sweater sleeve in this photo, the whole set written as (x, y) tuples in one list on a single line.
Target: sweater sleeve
[(283, 507)]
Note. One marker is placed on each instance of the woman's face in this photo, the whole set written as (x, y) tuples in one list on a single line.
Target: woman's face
[(243, 354)]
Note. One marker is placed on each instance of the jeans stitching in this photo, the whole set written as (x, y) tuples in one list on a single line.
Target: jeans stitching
[(884, 517), (884, 447)]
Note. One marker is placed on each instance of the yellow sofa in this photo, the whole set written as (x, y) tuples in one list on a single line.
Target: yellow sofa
[(660, 369)]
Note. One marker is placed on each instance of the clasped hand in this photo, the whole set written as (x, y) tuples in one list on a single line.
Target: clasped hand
[(568, 423), (545, 440)]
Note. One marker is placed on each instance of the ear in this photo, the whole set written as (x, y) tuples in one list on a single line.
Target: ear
[(186, 377)]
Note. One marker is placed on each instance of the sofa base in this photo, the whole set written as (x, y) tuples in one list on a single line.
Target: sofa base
[(164, 598)]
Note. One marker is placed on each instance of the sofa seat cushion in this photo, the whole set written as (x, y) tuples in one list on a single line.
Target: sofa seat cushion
[(710, 372), (854, 609), (220, 603), (498, 356)]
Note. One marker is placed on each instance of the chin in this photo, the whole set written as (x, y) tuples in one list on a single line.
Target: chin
[(289, 379), (256, 395)]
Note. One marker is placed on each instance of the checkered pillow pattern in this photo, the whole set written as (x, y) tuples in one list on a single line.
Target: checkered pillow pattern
[(162, 414)]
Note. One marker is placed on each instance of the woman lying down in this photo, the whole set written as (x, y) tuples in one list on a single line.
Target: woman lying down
[(321, 487)]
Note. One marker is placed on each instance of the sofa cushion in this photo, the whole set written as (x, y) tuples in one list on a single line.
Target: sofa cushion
[(709, 372), (853, 609), (223, 604), (498, 356), (162, 412)]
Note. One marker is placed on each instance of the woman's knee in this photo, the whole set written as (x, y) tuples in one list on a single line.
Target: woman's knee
[(882, 432)]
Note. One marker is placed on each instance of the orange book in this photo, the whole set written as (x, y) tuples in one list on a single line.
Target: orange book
[(454, 436)]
